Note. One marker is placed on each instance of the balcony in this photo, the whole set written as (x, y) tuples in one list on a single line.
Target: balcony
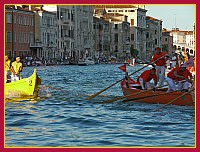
[(36, 45)]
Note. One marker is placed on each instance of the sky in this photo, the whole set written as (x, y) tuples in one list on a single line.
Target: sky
[(179, 16)]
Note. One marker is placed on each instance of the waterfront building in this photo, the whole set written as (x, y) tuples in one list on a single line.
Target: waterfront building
[(117, 31), (73, 32), (120, 39), (167, 42), (189, 38), (101, 37), (153, 35), (183, 40), (136, 17), (75, 28), (19, 31), (45, 42)]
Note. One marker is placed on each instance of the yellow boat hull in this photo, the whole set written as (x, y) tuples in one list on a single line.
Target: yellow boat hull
[(23, 87)]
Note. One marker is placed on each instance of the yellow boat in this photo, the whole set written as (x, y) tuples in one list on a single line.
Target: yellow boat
[(22, 87)]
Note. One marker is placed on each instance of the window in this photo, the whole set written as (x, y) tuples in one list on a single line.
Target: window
[(156, 42), (132, 22), (8, 18), (25, 20), (116, 26), (8, 36), (116, 37), (15, 19), (19, 19), (116, 48), (147, 36), (132, 37), (155, 31), (165, 39), (14, 35)]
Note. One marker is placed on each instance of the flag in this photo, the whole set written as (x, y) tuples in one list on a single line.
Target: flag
[(123, 68)]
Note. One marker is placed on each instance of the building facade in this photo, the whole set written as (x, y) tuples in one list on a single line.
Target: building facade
[(136, 17), (75, 24), (167, 42), (19, 31), (118, 30), (183, 41), (73, 32), (153, 35), (45, 42), (102, 38)]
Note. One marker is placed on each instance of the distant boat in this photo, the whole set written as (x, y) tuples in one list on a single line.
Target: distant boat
[(85, 62), (22, 87), (72, 62)]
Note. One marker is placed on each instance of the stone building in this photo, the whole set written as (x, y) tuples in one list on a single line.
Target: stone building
[(167, 42), (117, 32), (75, 25), (183, 40), (153, 35), (101, 37), (45, 42)]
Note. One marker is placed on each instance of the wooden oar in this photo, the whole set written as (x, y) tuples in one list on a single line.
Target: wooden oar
[(173, 100), (149, 96), (122, 97), (96, 94)]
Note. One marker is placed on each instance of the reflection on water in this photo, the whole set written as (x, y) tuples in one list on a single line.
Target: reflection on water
[(42, 93)]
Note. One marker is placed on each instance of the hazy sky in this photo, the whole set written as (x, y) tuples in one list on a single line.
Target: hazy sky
[(183, 16)]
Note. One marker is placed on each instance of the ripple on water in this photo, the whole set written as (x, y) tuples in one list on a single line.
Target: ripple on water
[(61, 116)]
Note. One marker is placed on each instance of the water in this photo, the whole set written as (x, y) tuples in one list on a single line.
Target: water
[(60, 115)]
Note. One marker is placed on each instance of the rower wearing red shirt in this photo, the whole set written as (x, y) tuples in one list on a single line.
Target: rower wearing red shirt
[(180, 75), (145, 78), (160, 64)]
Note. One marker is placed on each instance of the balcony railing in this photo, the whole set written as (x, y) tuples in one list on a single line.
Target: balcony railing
[(36, 45)]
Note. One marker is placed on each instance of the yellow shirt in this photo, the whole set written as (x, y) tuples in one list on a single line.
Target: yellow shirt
[(16, 66), (7, 65)]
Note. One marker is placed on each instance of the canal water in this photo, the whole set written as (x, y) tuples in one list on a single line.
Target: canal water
[(61, 116)]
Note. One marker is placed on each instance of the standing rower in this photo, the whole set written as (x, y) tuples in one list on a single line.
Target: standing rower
[(17, 68), (160, 64)]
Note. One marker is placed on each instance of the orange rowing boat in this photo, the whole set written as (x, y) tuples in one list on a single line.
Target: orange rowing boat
[(133, 92)]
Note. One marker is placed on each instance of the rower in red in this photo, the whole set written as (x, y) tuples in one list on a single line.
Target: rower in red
[(160, 64), (145, 78)]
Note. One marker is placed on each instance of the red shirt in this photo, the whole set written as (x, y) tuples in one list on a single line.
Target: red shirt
[(186, 74), (179, 72), (160, 62), (147, 76)]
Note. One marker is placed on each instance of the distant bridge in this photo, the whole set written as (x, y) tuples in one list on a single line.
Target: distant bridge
[(180, 47)]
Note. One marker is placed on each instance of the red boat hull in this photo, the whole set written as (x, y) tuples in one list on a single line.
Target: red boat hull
[(160, 96)]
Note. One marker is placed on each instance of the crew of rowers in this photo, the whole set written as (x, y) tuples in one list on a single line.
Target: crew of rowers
[(178, 78), (12, 70)]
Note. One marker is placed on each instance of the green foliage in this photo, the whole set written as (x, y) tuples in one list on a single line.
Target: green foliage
[(134, 52)]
